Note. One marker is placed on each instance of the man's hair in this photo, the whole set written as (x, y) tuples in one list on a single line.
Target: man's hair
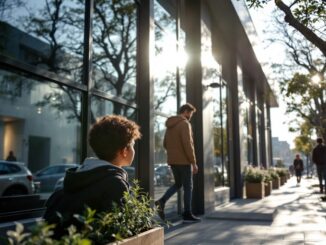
[(187, 107), (110, 134), (319, 140)]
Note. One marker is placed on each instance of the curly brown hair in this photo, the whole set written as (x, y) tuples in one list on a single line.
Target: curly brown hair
[(110, 134)]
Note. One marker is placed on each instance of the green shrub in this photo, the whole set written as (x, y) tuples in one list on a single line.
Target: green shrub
[(134, 217), (253, 175), (267, 176), (281, 172), (272, 172)]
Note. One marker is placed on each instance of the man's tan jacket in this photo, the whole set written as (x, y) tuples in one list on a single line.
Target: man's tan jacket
[(178, 141)]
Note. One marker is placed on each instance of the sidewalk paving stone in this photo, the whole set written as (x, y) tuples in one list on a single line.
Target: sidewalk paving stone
[(291, 215)]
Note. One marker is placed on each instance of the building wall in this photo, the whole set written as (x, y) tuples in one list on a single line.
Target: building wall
[(89, 85)]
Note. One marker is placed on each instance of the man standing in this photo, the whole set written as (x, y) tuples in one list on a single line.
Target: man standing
[(178, 142), (298, 167), (319, 158)]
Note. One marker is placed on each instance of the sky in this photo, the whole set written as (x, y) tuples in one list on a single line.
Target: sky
[(279, 118)]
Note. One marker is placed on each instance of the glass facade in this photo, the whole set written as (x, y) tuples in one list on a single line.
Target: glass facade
[(169, 90), (62, 66), (44, 90), (45, 34), (244, 105), (40, 121)]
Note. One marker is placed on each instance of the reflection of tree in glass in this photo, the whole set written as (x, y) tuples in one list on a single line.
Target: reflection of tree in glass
[(7, 6), (114, 48), (52, 24), (12, 86), (60, 24)]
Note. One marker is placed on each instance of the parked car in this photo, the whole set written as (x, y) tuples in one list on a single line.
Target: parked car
[(163, 175), (15, 179), (49, 176), (130, 170)]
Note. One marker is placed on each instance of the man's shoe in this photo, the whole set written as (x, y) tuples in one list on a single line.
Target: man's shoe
[(190, 218), (160, 209)]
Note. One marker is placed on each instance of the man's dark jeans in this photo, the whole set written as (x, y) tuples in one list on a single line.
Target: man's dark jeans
[(182, 177), (321, 172)]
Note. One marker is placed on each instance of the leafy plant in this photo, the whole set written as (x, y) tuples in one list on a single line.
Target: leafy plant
[(267, 176), (134, 217), (254, 175), (273, 174), (281, 172)]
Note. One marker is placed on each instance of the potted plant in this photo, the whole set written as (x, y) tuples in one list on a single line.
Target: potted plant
[(130, 224), (282, 172), (254, 183), (268, 183), (275, 178)]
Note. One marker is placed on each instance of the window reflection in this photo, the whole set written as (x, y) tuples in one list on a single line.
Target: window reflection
[(244, 105), (220, 136), (46, 34), (114, 48), (40, 123), (165, 65)]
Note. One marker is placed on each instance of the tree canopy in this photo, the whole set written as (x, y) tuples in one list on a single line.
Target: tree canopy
[(300, 26), (307, 17)]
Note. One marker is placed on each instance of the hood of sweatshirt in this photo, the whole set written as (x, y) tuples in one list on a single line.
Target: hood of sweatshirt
[(80, 178), (175, 120)]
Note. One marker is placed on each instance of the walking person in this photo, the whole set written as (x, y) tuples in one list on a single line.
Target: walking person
[(298, 167), (178, 142), (319, 158)]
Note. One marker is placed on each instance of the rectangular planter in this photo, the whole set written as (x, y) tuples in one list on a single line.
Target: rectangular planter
[(283, 180), (268, 188), (153, 236), (255, 190), (276, 183)]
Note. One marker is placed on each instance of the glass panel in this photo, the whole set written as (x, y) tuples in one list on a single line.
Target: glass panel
[(258, 125), (163, 177), (225, 150), (101, 107), (47, 34), (40, 122), (182, 62), (220, 137), (165, 61), (114, 48), (243, 120)]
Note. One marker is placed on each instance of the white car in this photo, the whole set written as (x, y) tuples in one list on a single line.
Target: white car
[(48, 176), (15, 179)]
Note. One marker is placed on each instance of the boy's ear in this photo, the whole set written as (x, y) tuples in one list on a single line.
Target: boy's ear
[(124, 152)]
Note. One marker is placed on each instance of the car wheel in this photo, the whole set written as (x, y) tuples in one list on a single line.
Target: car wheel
[(15, 191)]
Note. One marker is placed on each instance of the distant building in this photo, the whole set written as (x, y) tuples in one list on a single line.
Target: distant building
[(281, 150)]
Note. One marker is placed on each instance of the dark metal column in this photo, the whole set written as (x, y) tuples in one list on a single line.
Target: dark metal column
[(87, 78), (145, 42), (194, 95)]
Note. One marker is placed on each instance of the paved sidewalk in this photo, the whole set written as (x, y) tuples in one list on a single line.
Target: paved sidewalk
[(291, 215)]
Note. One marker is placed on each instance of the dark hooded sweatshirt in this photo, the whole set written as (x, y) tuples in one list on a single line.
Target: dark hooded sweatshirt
[(97, 186)]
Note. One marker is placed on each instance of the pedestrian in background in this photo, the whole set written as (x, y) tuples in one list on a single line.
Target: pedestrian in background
[(178, 142), (319, 158), (11, 157), (298, 168)]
